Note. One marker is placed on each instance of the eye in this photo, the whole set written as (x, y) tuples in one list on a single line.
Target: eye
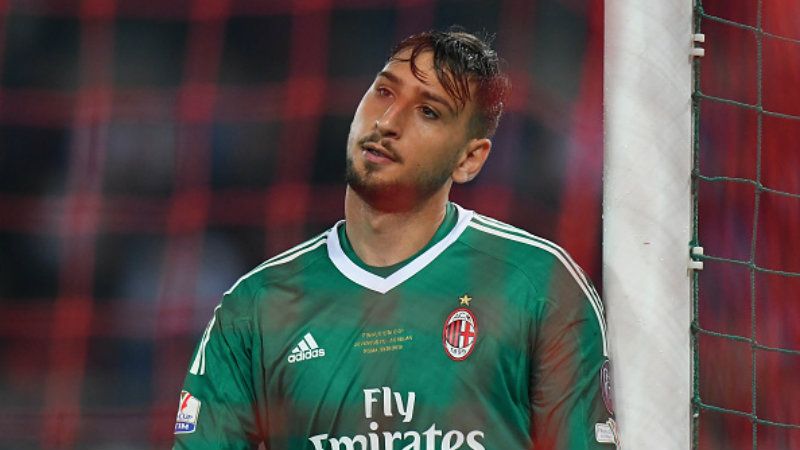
[(382, 91), (429, 112)]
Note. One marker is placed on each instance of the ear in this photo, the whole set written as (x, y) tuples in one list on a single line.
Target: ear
[(472, 159)]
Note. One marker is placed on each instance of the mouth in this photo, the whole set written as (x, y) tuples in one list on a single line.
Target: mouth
[(377, 153)]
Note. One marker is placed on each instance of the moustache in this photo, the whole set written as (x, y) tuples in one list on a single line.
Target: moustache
[(376, 138)]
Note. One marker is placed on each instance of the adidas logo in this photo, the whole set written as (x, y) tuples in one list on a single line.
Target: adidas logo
[(307, 348)]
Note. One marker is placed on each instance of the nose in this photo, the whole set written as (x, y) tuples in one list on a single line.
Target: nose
[(390, 124)]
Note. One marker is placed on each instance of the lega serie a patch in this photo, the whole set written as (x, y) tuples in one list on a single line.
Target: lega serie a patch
[(460, 332), (188, 411)]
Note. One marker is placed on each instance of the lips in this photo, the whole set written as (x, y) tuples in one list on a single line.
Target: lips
[(377, 153)]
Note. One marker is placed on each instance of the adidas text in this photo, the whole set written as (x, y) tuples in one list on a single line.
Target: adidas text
[(308, 354), (307, 348)]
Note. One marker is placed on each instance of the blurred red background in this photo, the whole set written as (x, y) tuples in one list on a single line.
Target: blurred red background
[(749, 213), (151, 153)]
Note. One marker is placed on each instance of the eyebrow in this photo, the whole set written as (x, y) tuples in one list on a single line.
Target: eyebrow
[(426, 94)]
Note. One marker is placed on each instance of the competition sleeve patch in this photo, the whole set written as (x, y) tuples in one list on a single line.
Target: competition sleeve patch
[(188, 411)]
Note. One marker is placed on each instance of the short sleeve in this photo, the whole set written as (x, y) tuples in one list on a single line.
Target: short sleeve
[(217, 407), (570, 395)]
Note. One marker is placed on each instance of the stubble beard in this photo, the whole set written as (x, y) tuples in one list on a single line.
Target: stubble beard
[(396, 195)]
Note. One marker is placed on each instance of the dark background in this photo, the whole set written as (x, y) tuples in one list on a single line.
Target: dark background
[(153, 152)]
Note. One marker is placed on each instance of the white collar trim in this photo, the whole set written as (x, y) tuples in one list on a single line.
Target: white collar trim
[(382, 285)]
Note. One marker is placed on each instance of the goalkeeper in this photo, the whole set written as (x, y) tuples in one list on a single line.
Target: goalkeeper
[(414, 323)]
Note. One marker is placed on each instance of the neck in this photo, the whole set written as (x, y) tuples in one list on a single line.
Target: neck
[(382, 238)]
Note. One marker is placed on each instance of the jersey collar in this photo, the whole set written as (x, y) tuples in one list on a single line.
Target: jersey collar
[(382, 285)]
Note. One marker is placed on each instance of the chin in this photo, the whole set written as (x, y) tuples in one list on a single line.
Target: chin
[(388, 198)]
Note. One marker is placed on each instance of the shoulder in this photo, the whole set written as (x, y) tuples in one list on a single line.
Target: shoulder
[(559, 280), (548, 266), (532, 254), (280, 267)]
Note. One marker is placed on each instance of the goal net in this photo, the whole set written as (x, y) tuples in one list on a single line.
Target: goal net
[(746, 198), (702, 221)]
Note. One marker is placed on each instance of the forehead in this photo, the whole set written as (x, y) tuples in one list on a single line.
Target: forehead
[(400, 65)]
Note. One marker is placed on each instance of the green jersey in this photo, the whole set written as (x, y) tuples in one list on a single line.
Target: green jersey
[(488, 338)]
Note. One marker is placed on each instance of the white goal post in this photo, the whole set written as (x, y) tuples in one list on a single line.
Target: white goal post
[(647, 218)]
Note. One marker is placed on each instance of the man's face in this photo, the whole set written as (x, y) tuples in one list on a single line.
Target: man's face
[(406, 137)]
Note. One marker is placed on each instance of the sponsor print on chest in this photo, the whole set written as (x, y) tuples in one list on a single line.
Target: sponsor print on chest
[(386, 405)]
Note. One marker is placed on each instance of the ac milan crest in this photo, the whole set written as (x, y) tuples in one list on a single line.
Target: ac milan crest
[(460, 334)]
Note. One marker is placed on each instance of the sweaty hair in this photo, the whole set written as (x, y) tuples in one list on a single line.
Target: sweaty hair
[(458, 59)]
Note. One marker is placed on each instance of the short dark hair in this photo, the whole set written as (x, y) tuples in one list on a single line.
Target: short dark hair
[(458, 59)]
